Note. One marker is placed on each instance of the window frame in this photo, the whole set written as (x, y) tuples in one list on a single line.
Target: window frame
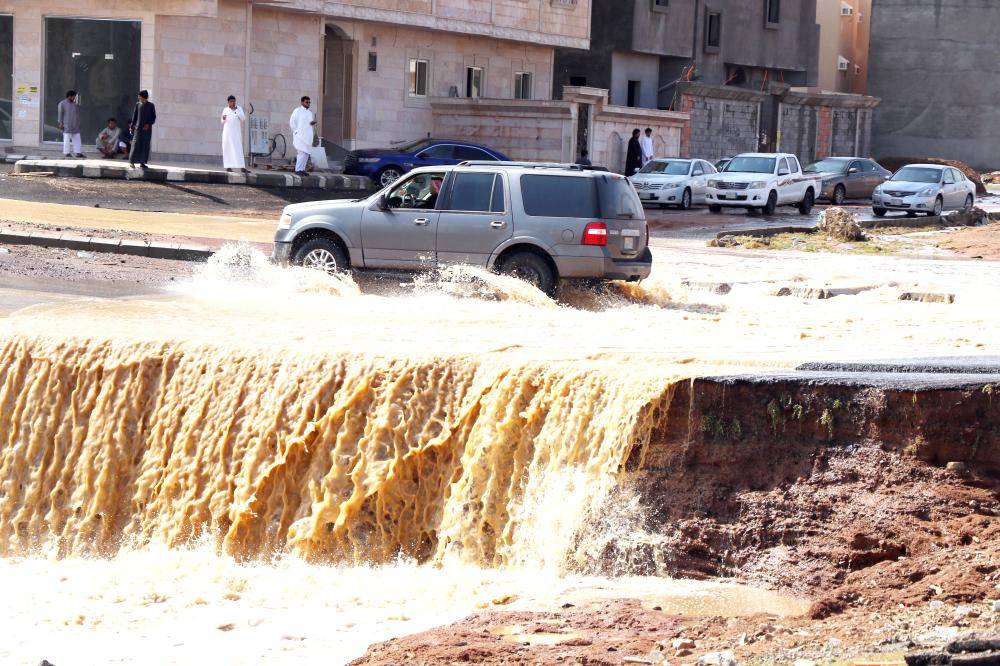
[(413, 77), (768, 5), (637, 98), (485, 154), (4, 15), (595, 197), (707, 45), (403, 182), (519, 79), (469, 71), (436, 145)]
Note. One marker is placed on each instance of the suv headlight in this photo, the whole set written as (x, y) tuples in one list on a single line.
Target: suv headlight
[(927, 191), (285, 223), (758, 185), (368, 160)]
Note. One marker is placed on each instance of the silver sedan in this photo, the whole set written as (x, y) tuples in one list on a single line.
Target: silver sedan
[(924, 188)]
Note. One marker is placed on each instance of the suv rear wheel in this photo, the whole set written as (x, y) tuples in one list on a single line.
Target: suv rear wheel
[(806, 205), (322, 254), (531, 268)]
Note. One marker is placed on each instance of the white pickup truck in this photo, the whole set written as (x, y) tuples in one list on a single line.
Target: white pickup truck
[(762, 181)]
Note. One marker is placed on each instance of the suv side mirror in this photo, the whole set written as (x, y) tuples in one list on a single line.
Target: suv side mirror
[(853, 170), (382, 203)]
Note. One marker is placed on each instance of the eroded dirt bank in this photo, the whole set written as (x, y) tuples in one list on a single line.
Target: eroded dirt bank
[(840, 491)]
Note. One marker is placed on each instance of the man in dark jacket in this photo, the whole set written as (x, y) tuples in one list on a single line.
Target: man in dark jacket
[(143, 118), (633, 159)]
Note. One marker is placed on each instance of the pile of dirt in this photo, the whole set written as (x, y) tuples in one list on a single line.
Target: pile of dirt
[(841, 225), (896, 163), (992, 177)]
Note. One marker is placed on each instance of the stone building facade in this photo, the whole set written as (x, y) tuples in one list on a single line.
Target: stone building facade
[(355, 58), (936, 67)]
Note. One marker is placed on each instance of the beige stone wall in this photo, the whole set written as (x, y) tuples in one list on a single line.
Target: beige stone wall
[(385, 111), (612, 128), (521, 130)]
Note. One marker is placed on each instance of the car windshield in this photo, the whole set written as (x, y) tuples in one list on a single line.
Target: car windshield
[(827, 166), (414, 146), (667, 167), (918, 175), (750, 165)]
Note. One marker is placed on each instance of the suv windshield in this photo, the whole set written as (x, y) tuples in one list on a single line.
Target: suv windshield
[(918, 175), (618, 198), (667, 167), (414, 146), (827, 166), (750, 165)]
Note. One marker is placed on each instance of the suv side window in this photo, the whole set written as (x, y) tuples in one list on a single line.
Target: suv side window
[(558, 196), (470, 153), (472, 192), (442, 152), (418, 192), (949, 177), (783, 166), (793, 165)]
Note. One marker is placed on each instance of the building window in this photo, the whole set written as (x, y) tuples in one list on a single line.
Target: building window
[(372, 61), (634, 88), (578, 81), (6, 77), (660, 5), (713, 31), (419, 70), (522, 85), (772, 13), (97, 58), (473, 81)]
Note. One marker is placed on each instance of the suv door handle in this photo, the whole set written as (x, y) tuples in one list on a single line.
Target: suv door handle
[(498, 224), (421, 221)]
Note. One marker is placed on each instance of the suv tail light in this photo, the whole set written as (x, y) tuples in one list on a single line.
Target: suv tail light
[(596, 233), (647, 234)]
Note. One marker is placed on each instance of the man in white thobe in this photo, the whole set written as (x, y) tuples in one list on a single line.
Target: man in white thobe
[(646, 143), (232, 136), (302, 122)]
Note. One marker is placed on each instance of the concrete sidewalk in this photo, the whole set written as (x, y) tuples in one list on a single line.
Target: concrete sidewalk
[(186, 173)]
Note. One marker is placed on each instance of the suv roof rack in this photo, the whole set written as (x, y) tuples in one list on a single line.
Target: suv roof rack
[(524, 165)]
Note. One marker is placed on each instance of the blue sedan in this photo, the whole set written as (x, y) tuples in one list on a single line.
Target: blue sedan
[(385, 165)]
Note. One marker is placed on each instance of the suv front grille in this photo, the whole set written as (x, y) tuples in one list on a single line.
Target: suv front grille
[(723, 185)]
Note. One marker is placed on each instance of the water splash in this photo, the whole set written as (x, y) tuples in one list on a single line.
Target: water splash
[(239, 266)]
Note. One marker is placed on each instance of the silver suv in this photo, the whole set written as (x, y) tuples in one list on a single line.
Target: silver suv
[(538, 222)]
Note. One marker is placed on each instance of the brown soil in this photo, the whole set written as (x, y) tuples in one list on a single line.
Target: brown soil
[(835, 492), (974, 242)]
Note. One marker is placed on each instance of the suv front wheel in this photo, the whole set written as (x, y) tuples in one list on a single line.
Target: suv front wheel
[(531, 268), (322, 254)]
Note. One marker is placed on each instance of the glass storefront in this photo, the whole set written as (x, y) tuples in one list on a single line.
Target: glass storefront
[(6, 76), (99, 59)]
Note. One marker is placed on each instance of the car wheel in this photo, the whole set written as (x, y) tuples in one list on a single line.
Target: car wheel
[(714, 209), (879, 212), (531, 268), (389, 175), (970, 201), (806, 205), (839, 194), (322, 254), (772, 203), (686, 200), (938, 207)]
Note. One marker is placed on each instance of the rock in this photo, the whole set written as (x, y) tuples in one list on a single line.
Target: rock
[(959, 468), (45, 662), (937, 604), (84, 255), (683, 644), (926, 659), (718, 659), (682, 653), (229, 626), (974, 643)]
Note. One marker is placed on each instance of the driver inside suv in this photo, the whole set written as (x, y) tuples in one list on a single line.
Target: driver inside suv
[(419, 192)]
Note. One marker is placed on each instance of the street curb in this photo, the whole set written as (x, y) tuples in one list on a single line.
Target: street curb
[(81, 169), (71, 241), (764, 232), (956, 219)]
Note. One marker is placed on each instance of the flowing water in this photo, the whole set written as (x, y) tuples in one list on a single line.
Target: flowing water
[(272, 464)]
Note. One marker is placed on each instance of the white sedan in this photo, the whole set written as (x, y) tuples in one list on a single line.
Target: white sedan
[(673, 182)]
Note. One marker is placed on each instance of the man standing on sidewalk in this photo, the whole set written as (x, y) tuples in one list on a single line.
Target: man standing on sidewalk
[(68, 114), (302, 122), (646, 143), (143, 119), (232, 136), (633, 156)]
